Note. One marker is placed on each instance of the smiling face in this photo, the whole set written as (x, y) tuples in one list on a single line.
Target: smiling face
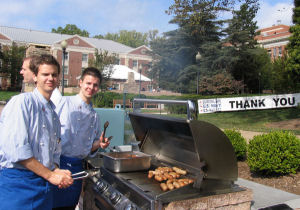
[(46, 79), (89, 86), (26, 72)]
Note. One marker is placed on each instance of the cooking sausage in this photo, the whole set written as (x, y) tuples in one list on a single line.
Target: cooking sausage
[(158, 178), (164, 177), (164, 187), (181, 184), (179, 171), (150, 174), (176, 185), (173, 174), (191, 181), (170, 186)]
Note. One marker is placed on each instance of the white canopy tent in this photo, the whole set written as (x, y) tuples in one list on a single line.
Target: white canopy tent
[(121, 72)]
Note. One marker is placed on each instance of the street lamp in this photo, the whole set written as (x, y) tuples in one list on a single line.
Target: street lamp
[(140, 71), (64, 46), (259, 74), (198, 58)]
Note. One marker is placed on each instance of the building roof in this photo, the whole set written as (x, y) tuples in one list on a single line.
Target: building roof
[(47, 38), (273, 33), (121, 72)]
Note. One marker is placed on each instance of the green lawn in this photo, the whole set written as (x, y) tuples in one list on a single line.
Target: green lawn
[(6, 95), (252, 120)]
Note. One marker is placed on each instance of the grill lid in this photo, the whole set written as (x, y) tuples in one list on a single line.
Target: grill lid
[(197, 146)]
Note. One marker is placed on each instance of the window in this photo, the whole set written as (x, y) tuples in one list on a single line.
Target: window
[(66, 82), (66, 70), (270, 52), (116, 86), (150, 87), (134, 63), (117, 61), (280, 51), (66, 56), (84, 57)]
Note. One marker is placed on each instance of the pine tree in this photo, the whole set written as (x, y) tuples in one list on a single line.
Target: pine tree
[(293, 49)]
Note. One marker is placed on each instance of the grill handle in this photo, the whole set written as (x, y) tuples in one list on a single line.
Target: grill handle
[(190, 106)]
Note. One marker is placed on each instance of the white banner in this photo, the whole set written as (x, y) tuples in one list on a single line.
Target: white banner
[(248, 103)]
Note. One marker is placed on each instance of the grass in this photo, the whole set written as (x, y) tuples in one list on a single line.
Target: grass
[(6, 95), (254, 120)]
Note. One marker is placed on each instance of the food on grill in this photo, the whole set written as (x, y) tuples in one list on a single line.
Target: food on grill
[(158, 178), (163, 186), (179, 171), (170, 175)]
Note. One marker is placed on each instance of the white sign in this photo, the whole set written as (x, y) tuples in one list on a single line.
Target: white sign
[(248, 103)]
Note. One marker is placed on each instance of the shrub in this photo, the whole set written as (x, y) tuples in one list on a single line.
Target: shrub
[(274, 153), (105, 99), (238, 142)]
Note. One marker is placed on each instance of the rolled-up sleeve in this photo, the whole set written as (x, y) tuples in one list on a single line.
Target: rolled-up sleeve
[(14, 141)]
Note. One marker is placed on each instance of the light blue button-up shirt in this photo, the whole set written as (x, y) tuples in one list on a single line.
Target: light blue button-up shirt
[(29, 127), (80, 126)]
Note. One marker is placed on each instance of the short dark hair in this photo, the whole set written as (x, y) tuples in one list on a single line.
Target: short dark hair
[(92, 71), (36, 61), (30, 57)]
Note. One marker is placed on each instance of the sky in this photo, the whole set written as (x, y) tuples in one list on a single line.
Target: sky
[(111, 16)]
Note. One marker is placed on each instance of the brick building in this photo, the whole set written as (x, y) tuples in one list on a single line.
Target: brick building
[(274, 39), (79, 50)]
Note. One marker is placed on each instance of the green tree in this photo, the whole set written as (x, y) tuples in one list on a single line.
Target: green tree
[(12, 57), (293, 49), (71, 29), (279, 79), (242, 27), (199, 30), (103, 59), (130, 38), (250, 63)]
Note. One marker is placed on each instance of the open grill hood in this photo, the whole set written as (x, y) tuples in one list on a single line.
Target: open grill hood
[(197, 146)]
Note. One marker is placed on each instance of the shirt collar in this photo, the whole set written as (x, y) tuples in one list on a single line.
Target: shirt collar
[(80, 102), (41, 98)]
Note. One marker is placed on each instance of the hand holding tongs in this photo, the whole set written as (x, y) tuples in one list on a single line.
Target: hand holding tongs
[(84, 174), (106, 124)]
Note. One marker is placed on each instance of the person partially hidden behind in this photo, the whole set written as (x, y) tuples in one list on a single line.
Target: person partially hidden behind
[(80, 133), (26, 72), (30, 144)]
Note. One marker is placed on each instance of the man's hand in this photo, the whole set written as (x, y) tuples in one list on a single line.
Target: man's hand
[(61, 178), (103, 141)]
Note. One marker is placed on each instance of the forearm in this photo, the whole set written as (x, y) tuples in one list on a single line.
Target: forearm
[(61, 178), (35, 166), (95, 146)]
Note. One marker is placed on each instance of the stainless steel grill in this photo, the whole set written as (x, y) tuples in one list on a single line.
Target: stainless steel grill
[(196, 146)]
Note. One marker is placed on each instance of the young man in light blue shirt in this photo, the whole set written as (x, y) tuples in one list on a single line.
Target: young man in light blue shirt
[(80, 134), (30, 144)]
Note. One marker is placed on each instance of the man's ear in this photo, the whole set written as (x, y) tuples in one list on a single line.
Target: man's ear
[(34, 78), (80, 83)]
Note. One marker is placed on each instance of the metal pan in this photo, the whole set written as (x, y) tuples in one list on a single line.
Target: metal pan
[(126, 161)]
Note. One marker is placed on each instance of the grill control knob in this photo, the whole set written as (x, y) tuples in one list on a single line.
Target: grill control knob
[(114, 197), (101, 186), (130, 206)]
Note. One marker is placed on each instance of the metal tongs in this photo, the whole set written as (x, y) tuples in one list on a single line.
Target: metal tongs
[(84, 174)]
